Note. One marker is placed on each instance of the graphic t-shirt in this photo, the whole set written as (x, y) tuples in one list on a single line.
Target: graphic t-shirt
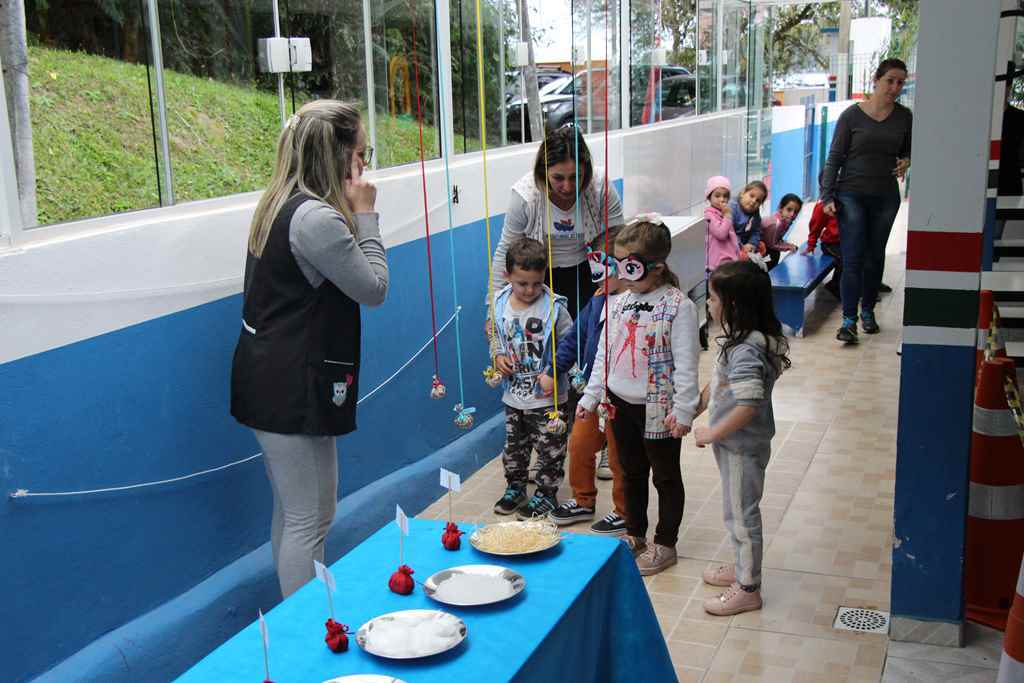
[(525, 339), (567, 248)]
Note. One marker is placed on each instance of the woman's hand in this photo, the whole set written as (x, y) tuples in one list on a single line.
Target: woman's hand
[(901, 167), (361, 194), (830, 209)]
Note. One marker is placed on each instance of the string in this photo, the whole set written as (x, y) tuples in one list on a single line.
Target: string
[(551, 265), (576, 160), (443, 131), (482, 106), (607, 171), (25, 493), (426, 210)]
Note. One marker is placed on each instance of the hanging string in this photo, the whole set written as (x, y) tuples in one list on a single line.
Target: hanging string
[(608, 409), (25, 493), (464, 414), (576, 160), (437, 389), (556, 425), (490, 374)]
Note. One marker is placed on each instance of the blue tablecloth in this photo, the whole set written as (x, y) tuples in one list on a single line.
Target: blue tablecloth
[(585, 616)]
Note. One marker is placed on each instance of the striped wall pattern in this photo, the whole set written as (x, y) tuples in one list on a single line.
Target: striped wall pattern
[(955, 156)]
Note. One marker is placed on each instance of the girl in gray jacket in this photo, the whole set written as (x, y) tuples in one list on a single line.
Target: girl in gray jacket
[(752, 355)]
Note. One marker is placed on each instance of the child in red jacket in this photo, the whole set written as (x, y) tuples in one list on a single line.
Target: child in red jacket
[(826, 229)]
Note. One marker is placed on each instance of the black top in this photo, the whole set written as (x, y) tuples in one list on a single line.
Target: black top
[(864, 152), (296, 365)]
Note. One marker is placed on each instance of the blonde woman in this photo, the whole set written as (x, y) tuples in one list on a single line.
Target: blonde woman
[(315, 255)]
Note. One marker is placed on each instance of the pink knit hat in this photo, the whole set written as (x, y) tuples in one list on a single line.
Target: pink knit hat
[(715, 182)]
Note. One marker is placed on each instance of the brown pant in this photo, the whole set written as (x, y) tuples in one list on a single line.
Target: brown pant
[(586, 439)]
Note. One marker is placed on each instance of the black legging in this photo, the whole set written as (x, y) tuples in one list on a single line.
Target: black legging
[(565, 285)]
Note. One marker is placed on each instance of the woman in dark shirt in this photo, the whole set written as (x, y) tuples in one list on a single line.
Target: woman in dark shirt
[(870, 150)]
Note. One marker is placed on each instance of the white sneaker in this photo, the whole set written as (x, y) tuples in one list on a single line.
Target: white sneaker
[(603, 470)]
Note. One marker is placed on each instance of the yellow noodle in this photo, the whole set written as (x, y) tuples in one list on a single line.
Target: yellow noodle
[(515, 537)]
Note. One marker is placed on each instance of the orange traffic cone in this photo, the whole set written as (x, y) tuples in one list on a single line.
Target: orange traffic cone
[(995, 514), (1011, 666), (990, 343)]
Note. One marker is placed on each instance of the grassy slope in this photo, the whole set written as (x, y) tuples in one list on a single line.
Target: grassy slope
[(93, 136)]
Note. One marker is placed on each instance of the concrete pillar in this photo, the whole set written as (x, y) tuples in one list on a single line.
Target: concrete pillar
[(951, 149)]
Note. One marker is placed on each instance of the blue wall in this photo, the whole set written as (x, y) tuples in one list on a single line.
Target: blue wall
[(788, 160), (150, 402)]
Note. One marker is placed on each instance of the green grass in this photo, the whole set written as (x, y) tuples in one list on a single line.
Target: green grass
[(93, 136)]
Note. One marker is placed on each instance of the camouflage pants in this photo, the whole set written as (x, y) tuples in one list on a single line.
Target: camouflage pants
[(525, 431)]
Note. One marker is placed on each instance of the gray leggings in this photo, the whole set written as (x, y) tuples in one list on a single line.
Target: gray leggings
[(303, 472)]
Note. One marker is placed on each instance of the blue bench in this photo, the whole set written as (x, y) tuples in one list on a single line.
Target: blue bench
[(793, 280)]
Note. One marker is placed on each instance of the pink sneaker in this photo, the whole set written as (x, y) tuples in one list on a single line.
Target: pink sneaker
[(723, 575), (733, 601)]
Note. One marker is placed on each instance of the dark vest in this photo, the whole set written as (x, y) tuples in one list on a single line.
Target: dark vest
[(296, 365)]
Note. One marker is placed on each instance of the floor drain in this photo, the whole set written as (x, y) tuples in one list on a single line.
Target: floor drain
[(862, 620)]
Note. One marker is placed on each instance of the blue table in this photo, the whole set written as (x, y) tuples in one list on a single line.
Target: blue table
[(585, 615)]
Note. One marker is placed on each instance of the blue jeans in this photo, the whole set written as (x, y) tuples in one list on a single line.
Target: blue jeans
[(865, 222)]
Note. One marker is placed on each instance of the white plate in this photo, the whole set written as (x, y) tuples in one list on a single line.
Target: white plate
[(365, 678), (515, 581), (365, 629), (556, 538)]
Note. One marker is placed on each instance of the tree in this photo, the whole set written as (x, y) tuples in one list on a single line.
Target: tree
[(14, 58), (532, 90)]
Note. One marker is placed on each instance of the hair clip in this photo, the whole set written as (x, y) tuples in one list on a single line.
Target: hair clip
[(650, 217), (292, 122)]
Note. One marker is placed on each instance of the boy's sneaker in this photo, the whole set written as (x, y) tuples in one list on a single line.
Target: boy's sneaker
[(513, 498), (611, 525), (538, 507), (723, 575), (868, 323), (655, 559), (636, 545), (603, 471), (733, 601), (571, 512), (848, 332)]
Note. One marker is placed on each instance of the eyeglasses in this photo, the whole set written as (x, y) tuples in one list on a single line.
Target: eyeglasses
[(632, 268), (367, 156)]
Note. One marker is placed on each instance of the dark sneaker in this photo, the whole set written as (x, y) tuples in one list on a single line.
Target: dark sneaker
[(571, 512), (848, 332), (538, 507), (611, 525), (868, 324), (884, 288), (513, 498), (603, 470)]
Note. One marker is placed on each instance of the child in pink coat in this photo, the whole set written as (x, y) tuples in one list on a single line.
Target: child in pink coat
[(722, 243)]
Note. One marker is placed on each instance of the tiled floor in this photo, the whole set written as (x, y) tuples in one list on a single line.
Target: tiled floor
[(828, 524)]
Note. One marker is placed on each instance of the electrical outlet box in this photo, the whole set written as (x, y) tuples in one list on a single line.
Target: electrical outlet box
[(284, 55)]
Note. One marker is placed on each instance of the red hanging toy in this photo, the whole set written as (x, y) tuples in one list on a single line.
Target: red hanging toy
[(401, 581), (336, 639), (450, 538)]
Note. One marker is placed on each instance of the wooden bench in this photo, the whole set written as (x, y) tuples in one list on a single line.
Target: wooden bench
[(793, 280)]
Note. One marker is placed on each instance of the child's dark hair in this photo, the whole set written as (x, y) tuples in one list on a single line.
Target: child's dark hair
[(653, 241), (756, 185), (788, 198), (526, 254), (563, 144), (745, 292)]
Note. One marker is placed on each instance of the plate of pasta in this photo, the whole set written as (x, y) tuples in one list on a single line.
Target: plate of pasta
[(516, 538)]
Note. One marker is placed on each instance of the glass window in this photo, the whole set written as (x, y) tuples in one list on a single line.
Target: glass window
[(223, 118), (733, 55), (90, 96), (502, 81), (662, 62), (707, 57), (598, 64)]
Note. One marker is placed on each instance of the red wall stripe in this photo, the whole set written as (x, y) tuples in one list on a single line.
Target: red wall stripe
[(993, 151), (949, 251)]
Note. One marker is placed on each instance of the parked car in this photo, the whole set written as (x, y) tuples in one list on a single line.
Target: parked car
[(544, 77), (678, 98), (557, 100)]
